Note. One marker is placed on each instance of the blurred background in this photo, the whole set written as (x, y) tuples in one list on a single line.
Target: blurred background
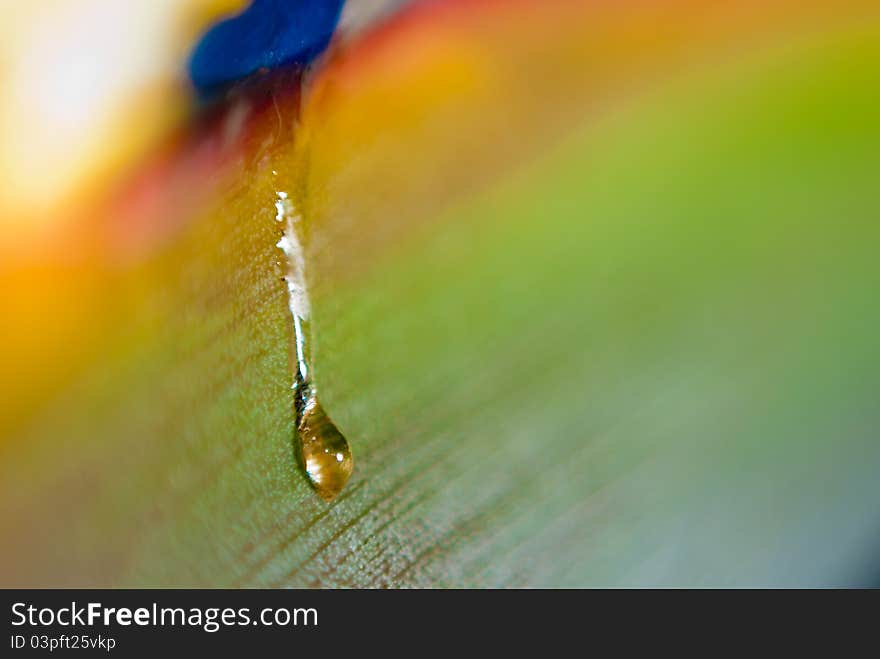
[(594, 291)]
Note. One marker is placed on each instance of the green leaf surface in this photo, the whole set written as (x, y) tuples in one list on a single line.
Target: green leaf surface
[(645, 356)]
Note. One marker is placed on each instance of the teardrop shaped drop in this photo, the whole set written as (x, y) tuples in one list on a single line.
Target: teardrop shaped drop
[(324, 451)]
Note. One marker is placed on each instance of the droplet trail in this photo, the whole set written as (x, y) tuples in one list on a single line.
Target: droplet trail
[(322, 449)]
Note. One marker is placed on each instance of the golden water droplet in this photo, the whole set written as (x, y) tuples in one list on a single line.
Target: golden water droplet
[(324, 451)]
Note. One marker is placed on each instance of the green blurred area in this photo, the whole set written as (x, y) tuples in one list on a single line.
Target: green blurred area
[(647, 357), (650, 358)]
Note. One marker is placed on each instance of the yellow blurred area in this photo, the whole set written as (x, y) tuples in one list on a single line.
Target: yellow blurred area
[(87, 85), (477, 104)]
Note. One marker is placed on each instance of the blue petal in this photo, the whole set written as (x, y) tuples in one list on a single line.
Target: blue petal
[(269, 33)]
